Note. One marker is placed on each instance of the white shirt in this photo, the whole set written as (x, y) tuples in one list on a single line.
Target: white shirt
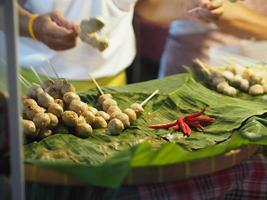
[(77, 63)]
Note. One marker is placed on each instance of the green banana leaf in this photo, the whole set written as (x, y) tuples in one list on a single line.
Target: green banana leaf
[(105, 160)]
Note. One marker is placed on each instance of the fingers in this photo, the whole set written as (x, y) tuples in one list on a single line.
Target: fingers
[(61, 21), (54, 35)]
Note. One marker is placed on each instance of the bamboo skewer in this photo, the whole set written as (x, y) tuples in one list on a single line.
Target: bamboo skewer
[(53, 69), (98, 87), (25, 80), (45, 73), (149, 98), (36, 74), (23, 83)]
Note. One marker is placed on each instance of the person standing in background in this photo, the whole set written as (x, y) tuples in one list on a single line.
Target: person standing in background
[(47, 29)]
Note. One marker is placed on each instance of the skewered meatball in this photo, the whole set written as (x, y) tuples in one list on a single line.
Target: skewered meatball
[(53, 93), (77, 106), (107, 103), (247, 73), (70, 118), (113, 109), (47, 83), (138, 109), (92, 109), (99, 122), (67, 88), (89, 116), (59, 83), (255, 79), (29, 102), (61, 129), (112, 116), (103, 114), (44, 133), (45, 100), (217, 80), (123, 118), (83, 130), (228, 75), (225, 88), (29, 128), (104, 97), (53, 120), (33, 91), (81, 120), (55, 109), (31, 111), (244, 85), (256, 90), (69, 97), (41, 120), (60, 102), (131, 114), (115, 127)]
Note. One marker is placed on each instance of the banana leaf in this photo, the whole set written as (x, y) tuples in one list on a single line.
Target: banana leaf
[(105, 160)]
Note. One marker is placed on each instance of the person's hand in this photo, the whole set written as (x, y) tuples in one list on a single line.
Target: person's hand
[(208, 10), (55, 31)]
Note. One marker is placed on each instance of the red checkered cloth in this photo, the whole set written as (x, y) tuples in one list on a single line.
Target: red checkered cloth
[(247, 180)]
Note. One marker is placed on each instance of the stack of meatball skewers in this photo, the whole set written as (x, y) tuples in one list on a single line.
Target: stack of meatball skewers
[(54, 107)]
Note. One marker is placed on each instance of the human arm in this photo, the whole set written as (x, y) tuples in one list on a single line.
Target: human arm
[(239, 20), (52, 28)]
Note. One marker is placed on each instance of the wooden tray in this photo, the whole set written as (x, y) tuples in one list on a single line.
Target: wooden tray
[(147, 175)]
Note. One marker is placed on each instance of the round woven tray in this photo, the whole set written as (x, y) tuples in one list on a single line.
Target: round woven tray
[(146, 175)]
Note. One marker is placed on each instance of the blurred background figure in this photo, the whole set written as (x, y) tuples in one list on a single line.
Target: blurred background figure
[(190, 39)]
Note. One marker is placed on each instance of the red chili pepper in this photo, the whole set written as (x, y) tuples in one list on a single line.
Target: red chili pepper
[(188, 129), (197, 114), (164, 126), (181, 124), (176, 127), (196, 125), (201, 119)]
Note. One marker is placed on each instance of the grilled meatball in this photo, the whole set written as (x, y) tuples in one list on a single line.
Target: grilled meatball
[(123, 118), (53, 92), (41, 120), (107, 103), (77, 106), (45, 100), (53, 120), (115, 127), (67, 88), (99, 122), (103, 114), (47, 83), (138, 109), (31, 111), (55, 109), (70, 118), (113, 109), (81, 120), (256, 90), (89, 116), (33, 91), (92, 109), (131, 114), (68, 97), (29, 128), (104, 97), (29, 102), (60, 102), (59, 83), (83, 130)]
